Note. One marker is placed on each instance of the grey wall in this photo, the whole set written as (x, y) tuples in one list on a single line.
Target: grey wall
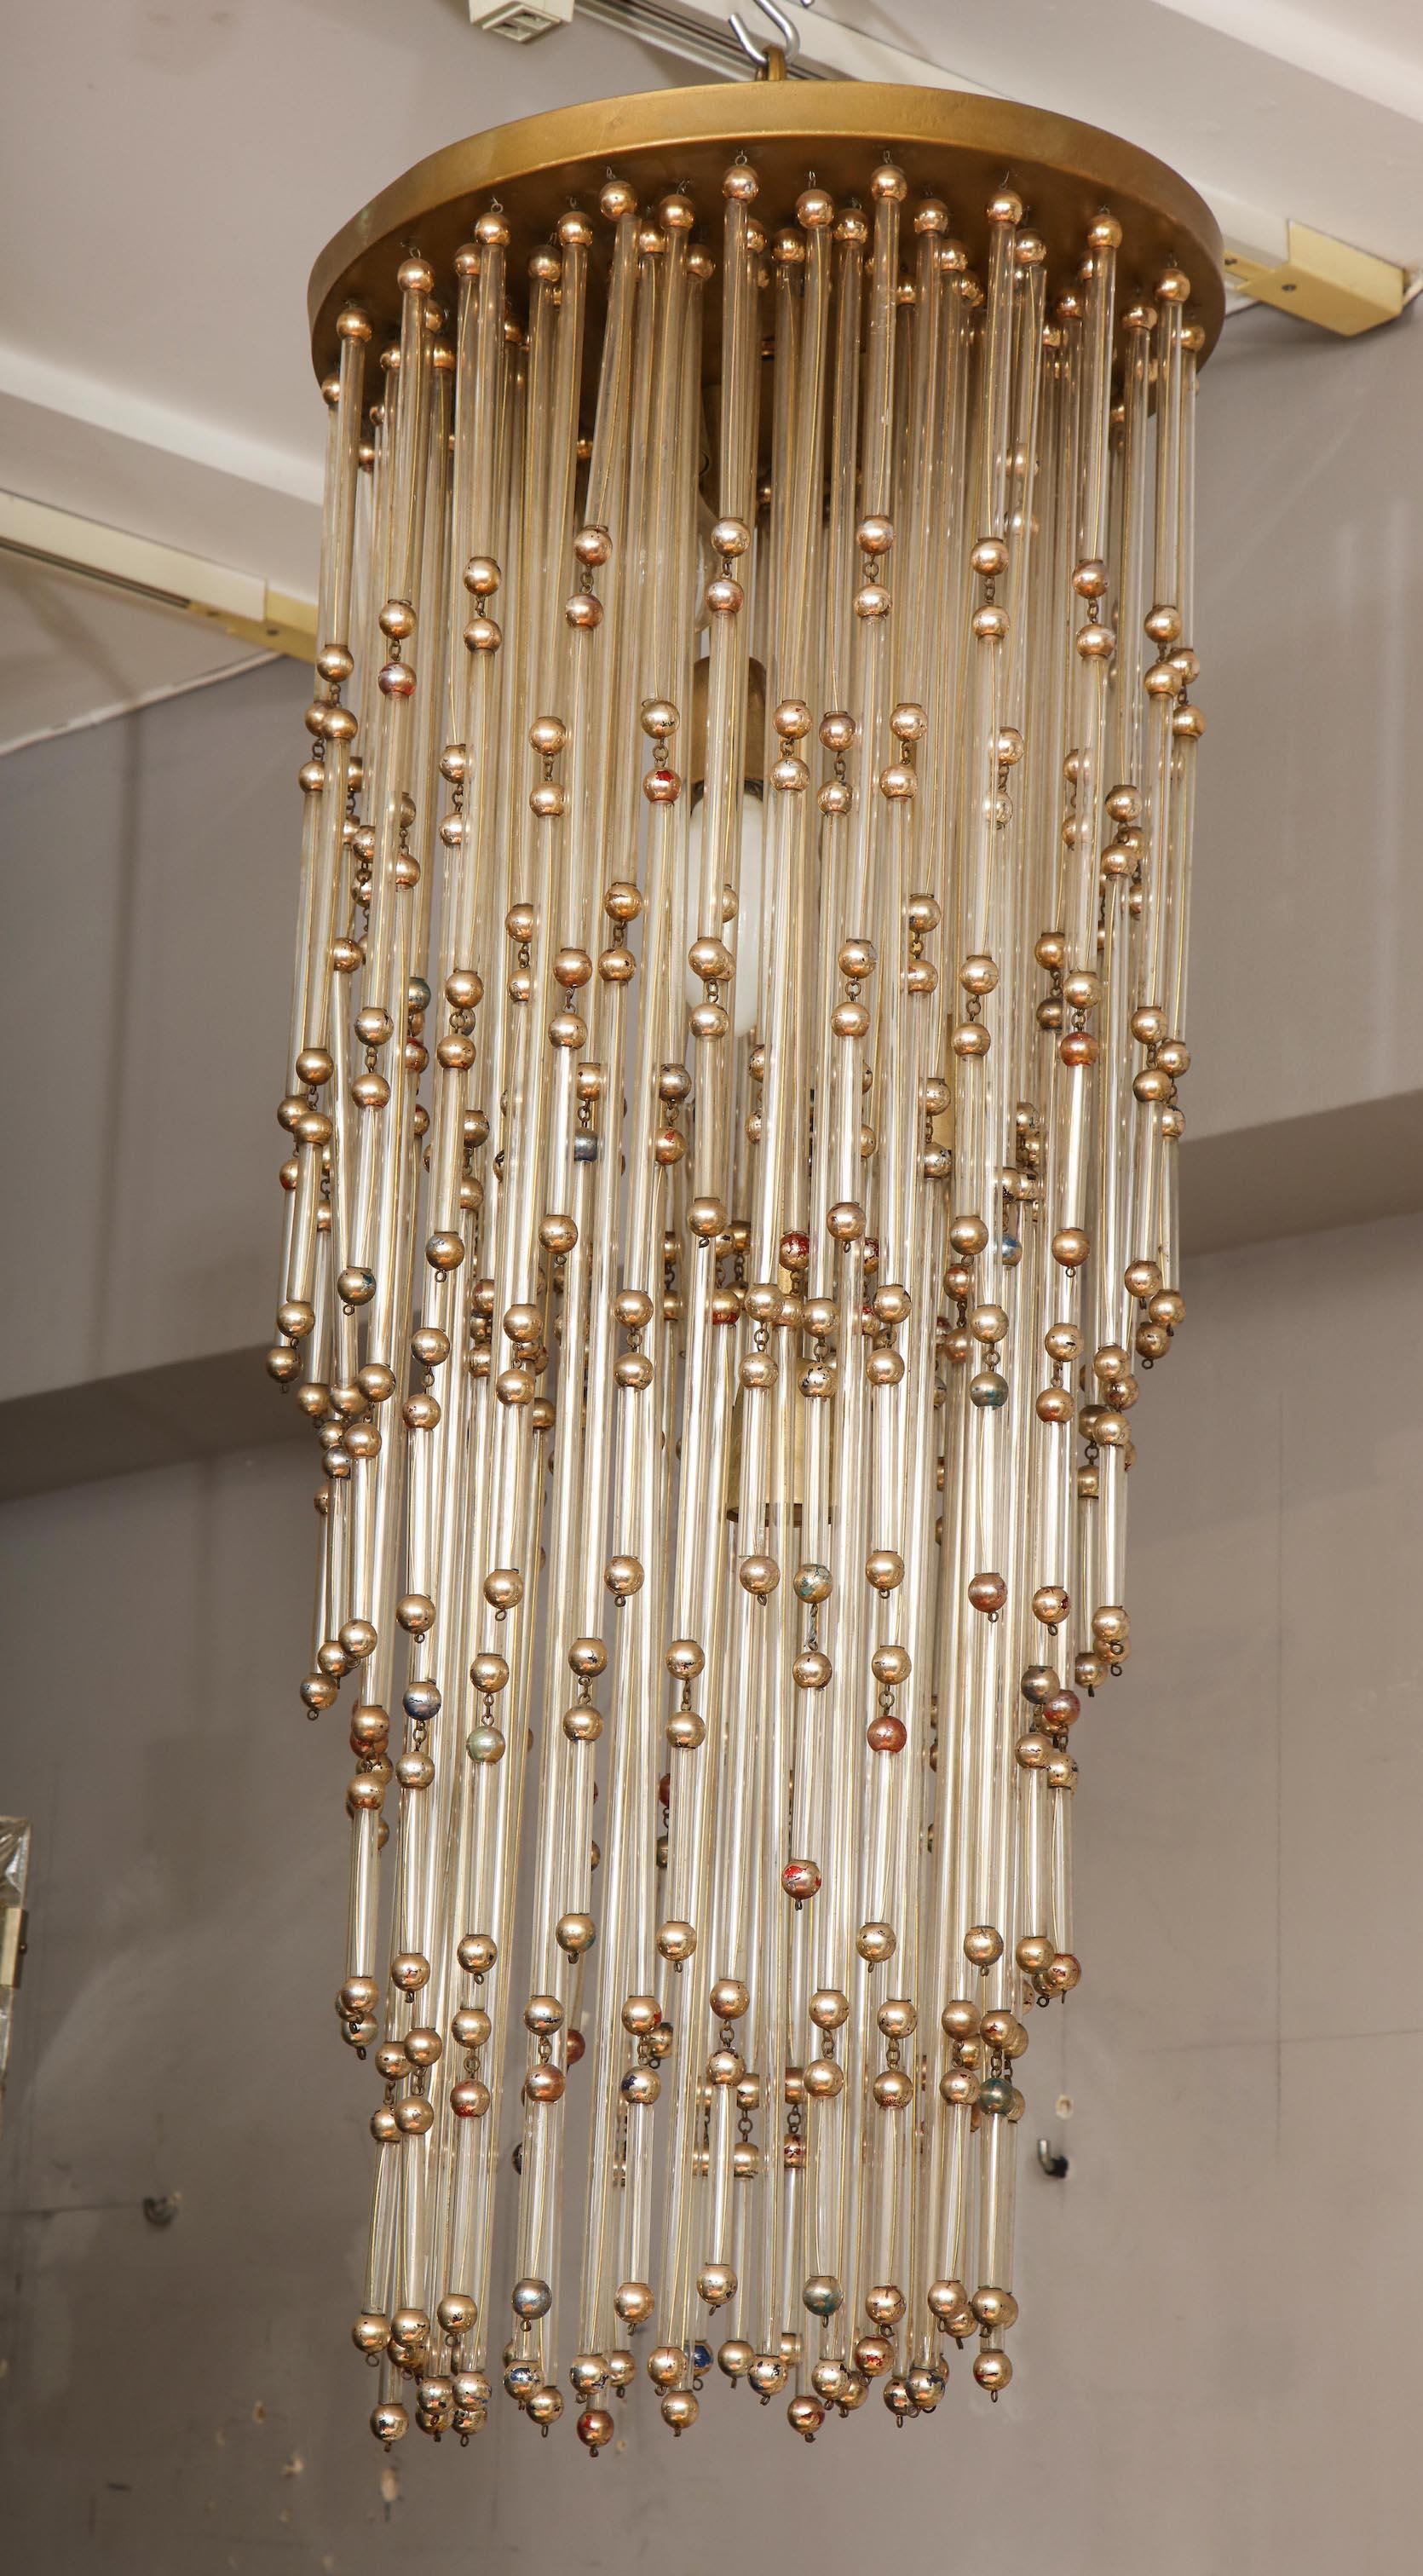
[(1221, 2344), (150, 867), (1309, 915)]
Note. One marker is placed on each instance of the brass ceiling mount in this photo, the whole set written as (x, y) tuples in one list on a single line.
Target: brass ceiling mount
[(948, 143)]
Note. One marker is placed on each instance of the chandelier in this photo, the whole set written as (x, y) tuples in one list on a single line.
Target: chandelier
[(732, 1109)]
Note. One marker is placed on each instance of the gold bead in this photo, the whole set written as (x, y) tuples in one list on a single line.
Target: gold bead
[(884, 2304), (633, 2302), (617, 199), (759, 1575), (893, 2089), (815, 209)]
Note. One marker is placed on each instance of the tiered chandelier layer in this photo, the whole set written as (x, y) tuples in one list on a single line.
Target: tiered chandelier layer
[(733, 1110)]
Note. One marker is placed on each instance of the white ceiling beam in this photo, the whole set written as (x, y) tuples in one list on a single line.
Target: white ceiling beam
[(127, 414), (1337, 53), (94, 461)]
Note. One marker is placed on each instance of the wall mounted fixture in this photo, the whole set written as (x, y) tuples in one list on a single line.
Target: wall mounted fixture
[(726, 1433)]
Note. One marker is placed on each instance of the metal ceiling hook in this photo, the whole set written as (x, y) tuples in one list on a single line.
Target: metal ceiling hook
[(788, 34)]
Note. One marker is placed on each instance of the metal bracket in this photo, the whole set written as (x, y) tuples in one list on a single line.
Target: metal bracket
[(1051, 2162), (241, 604), (1321, 280)]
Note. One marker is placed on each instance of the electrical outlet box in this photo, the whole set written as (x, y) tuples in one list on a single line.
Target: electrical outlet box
[(520, 20)]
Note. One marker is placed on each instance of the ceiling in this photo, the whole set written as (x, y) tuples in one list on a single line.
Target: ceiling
[(153, 366)]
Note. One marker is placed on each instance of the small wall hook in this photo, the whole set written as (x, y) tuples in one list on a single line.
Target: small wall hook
[(1051, 2162)]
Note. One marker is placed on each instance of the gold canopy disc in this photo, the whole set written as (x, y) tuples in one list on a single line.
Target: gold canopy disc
[(948, 143)]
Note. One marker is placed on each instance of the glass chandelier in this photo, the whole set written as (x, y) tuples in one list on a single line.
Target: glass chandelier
[(732, 1109)]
